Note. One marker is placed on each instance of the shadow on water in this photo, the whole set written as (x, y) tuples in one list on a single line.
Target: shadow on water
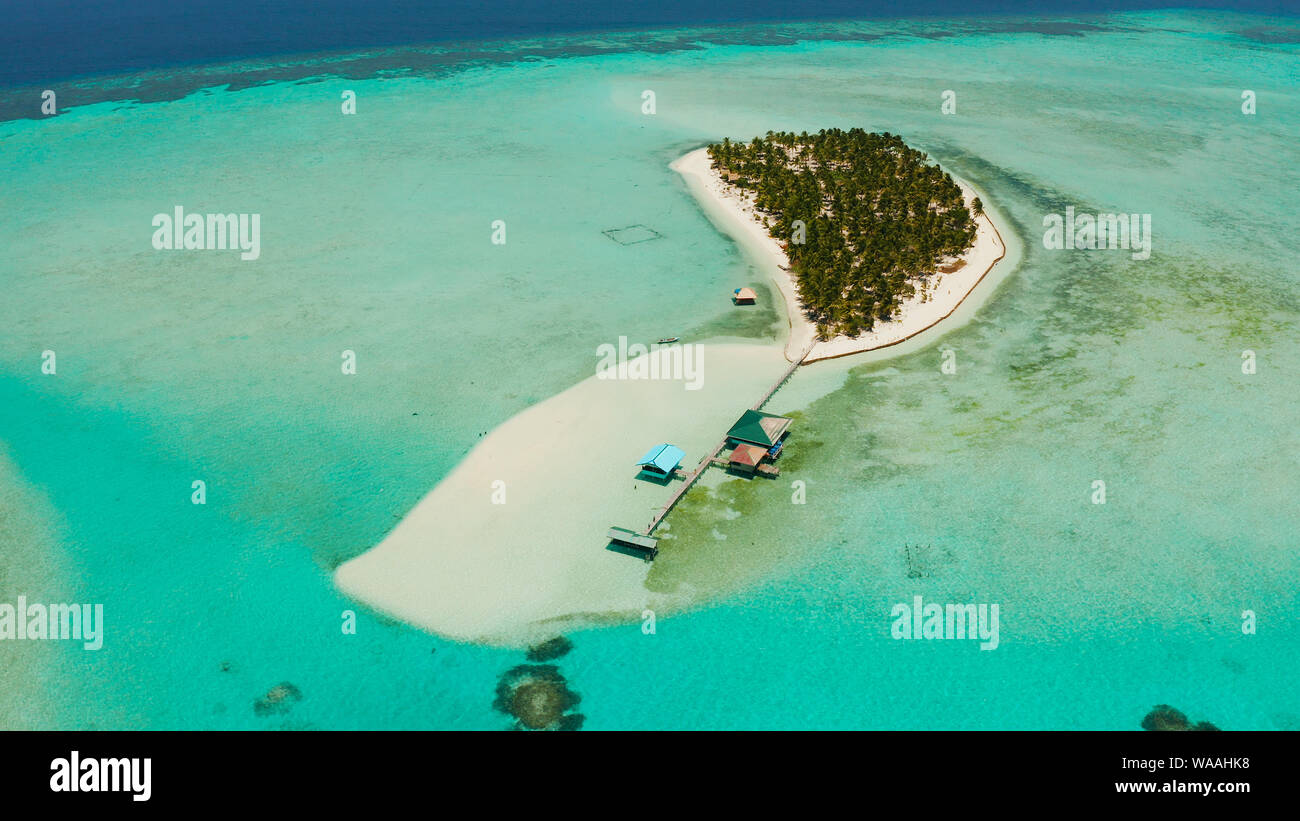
[(632, 552)]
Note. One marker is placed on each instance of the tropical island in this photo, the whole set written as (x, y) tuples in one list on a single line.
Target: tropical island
[(892, 246), (876, 242)]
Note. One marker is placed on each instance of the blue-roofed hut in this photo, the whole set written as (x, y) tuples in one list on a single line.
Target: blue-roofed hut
[(662, 460)]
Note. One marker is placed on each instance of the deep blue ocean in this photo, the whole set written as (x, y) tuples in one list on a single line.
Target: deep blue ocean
[(46, 40)]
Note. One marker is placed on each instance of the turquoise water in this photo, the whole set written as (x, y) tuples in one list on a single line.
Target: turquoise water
[(376, 238)]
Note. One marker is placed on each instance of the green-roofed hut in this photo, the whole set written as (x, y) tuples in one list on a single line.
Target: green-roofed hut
[(758, 428)]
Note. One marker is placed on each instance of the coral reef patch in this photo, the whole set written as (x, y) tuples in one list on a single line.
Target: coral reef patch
[(538, 698), (278, 700), (550, 649), (1166, 718)]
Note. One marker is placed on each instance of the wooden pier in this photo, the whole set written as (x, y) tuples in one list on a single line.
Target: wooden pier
[(708, 461), (685, 486), (785, 377)]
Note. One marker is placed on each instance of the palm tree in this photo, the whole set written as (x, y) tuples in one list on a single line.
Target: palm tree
[(879, 218)]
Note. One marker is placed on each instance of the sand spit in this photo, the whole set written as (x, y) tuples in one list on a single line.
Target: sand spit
[(513, 573)]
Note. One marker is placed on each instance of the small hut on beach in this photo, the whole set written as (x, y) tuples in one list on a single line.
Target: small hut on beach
[(744, 296)]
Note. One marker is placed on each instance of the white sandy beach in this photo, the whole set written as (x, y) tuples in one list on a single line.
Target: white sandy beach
[(733, 208), (463, 567)]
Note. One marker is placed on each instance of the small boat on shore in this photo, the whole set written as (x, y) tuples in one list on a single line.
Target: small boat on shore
[(668, 340)]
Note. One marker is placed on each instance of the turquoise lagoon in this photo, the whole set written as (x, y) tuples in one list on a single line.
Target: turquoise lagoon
[(974, 486)]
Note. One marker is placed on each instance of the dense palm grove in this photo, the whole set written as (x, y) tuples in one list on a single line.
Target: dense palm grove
[(878, 218)]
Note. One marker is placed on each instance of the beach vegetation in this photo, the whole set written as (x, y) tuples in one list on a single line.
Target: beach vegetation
[(880, 218)]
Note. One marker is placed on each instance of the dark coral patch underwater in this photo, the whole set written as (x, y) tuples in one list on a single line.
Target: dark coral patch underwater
[(539, 698), (550, 649), (1166, 718), (278, 700)]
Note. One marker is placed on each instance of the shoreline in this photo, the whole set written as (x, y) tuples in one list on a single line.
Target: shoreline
[(734, 209)]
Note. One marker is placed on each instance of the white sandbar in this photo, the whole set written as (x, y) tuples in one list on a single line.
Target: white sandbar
[(463, 567)]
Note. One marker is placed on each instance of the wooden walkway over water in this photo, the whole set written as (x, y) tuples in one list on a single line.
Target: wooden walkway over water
[(707, 461)]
